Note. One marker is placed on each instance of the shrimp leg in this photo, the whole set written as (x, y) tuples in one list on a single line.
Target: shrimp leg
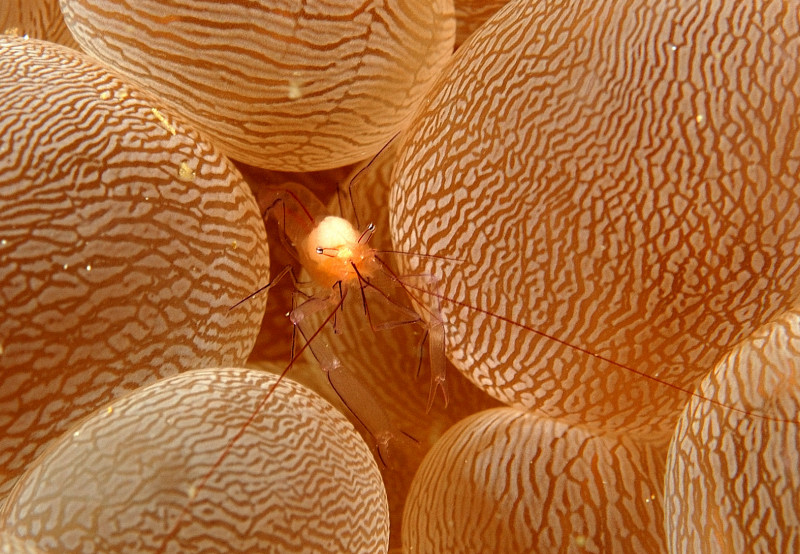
[(354, 395), (428, 284), (438, 363), (435, 339)]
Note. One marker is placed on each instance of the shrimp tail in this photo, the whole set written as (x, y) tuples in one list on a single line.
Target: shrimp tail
[(438, 363), (355, 396)]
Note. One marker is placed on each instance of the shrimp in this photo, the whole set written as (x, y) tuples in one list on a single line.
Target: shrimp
[(349, 260), (347, 275), (341, 262)]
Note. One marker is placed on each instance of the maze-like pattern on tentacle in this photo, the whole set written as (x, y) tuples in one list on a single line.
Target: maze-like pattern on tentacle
[(299, 479), (619, 175), (124, 238), (11, 544), (508, 481), (733, 481), (286, 85)]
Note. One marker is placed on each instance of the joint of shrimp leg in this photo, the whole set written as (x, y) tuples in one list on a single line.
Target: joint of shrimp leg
[(365, 285), (408, 288), (437, 382), (408, 315), (421, 351), (309, 306), (382, 446), (435, 328)]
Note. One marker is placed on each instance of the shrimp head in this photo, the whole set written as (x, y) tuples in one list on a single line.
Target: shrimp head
[(335, 252)]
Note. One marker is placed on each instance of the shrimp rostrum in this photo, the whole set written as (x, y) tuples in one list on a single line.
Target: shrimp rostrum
[(345, 270)]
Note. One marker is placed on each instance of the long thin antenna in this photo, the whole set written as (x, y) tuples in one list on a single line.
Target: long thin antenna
[(358, 174), (427, 256)]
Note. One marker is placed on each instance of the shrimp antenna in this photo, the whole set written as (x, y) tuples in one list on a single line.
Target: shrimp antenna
[(358, 174), (426, 256), (342, 294), (300, 203), (408, 287), (587, 352), (361, 287)]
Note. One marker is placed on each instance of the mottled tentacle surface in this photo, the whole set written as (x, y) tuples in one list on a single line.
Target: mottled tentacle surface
[(298, 478), (509, 481), (283, 84), (733, 482), (36, 19), (124, 238), (471, 14), (12, 544), (621, 176)]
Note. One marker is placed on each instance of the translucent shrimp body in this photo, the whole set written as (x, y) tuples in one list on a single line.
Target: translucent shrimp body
[(339, 260)]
